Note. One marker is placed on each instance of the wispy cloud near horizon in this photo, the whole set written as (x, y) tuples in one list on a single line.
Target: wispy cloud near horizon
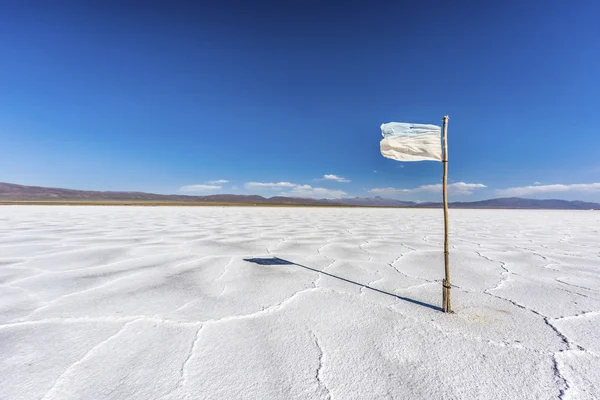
[(315, 192), (199, 188), (218, 182), (268, 185), (458, 188), (297, 190), (557, 188)]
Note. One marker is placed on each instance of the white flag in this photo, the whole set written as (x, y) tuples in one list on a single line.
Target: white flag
[(411, 142)]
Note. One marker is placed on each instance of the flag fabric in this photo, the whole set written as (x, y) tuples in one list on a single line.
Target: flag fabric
[(411, 142)]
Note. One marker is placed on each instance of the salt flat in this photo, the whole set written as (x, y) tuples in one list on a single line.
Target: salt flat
[(159, 303)]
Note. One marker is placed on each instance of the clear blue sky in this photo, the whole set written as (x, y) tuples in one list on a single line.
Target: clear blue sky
[(155, 97)]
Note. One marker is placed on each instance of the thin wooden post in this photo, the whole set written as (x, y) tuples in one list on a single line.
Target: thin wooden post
[(446, 282)]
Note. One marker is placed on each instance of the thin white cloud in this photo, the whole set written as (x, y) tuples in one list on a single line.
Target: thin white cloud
[(458, 188), (315, 192), (332, 177), (218, 182), (297, 190), (199, 188), (389, 190), (558, 188), (268, 185), (537, 183)]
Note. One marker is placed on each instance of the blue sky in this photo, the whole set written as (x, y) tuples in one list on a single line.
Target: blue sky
[(287, 97)]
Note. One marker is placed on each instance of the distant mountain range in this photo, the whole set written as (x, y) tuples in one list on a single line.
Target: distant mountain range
[(520, 203), (10, 193)]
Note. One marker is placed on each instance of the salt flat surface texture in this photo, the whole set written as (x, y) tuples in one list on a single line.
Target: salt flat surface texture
[(159, 303)]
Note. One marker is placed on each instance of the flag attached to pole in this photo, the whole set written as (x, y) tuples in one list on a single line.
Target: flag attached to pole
[(411, 142), (418, 142)]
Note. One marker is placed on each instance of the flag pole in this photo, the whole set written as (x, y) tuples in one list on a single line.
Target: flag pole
[(446, 282)]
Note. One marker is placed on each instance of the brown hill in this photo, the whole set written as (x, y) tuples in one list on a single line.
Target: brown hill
[(10, 192)]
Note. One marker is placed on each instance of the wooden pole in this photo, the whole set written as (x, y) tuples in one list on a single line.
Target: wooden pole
[(446, 282)]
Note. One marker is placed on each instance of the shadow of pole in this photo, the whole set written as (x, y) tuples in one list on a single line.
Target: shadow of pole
[(279, 261)]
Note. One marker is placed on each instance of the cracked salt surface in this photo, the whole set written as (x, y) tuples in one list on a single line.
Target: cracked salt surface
[(148, 303)]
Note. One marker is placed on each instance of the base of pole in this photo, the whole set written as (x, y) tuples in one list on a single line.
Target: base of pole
[(446, 297)]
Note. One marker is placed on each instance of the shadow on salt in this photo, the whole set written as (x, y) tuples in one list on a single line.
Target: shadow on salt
[(280, 261)]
